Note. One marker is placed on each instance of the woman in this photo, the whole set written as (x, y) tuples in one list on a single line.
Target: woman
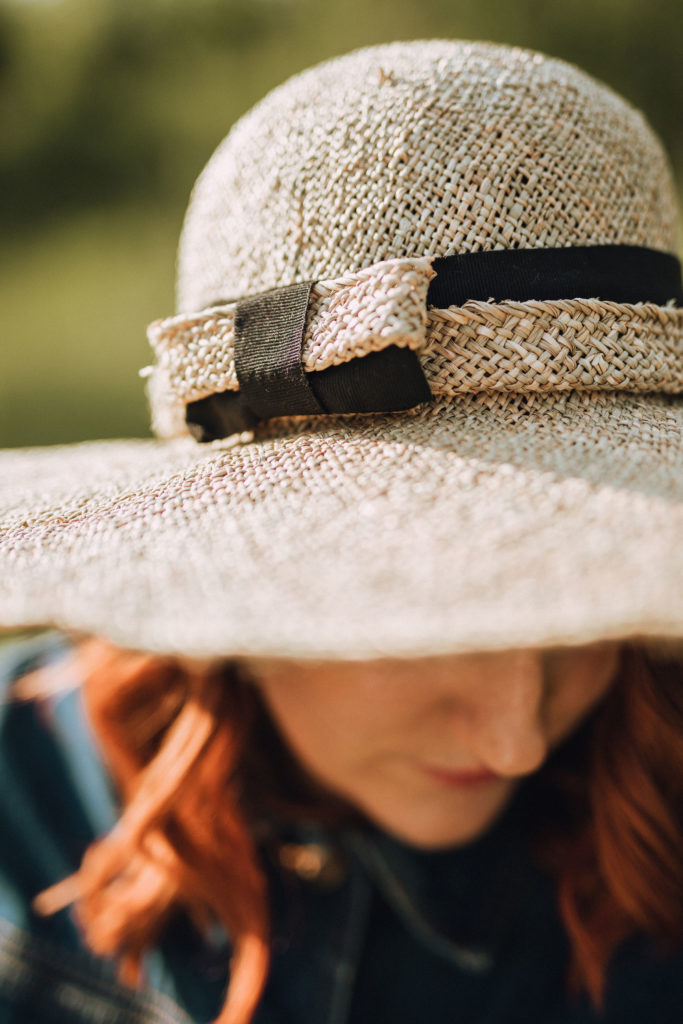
[(382, 663)]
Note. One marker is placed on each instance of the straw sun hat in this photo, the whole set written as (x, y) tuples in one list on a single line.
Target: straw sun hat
[(453, 422)]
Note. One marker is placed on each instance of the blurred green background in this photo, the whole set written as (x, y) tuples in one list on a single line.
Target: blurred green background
[(110, 108)]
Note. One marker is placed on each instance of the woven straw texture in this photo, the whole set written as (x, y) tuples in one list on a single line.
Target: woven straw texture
[(538, 500), (421, 149)]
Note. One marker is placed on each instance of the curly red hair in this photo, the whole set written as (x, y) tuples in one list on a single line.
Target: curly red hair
[(197, 760)]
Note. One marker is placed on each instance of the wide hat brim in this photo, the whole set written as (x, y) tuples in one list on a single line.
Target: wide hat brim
[(480, 522)]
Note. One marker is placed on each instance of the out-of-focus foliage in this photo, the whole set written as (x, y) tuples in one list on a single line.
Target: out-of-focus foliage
[(109, 108)]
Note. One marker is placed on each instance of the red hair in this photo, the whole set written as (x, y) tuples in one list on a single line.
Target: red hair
[(197, 760)]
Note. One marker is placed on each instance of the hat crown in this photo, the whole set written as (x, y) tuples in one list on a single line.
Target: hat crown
[(421, 149)]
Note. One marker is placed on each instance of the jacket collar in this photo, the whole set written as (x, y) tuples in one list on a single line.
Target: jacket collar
[(466, 903)]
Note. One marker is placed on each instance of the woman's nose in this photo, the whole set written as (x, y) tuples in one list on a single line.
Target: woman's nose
[(506, 731)]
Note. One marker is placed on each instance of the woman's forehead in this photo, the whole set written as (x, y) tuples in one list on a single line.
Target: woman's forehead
[(433, 663)]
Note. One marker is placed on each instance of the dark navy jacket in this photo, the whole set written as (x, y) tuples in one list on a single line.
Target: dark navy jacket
[(377, 932)]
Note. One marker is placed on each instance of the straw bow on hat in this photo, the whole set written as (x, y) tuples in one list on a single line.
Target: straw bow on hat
[(421, 395)]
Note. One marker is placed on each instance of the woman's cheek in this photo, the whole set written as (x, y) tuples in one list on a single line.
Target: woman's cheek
[(586, 678)]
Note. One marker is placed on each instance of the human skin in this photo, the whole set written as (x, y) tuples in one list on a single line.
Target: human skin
[(431, 750)]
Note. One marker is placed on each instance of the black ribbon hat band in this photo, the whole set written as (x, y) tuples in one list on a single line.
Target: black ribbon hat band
[(269, 331), (613, 273)]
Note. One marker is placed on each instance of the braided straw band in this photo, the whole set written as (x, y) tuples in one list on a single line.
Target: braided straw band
[(531, 346)]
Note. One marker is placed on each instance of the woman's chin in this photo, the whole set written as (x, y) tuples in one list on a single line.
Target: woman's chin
[(432, 827)]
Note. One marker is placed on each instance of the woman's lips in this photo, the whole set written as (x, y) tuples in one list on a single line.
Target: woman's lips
[(463, 777)]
